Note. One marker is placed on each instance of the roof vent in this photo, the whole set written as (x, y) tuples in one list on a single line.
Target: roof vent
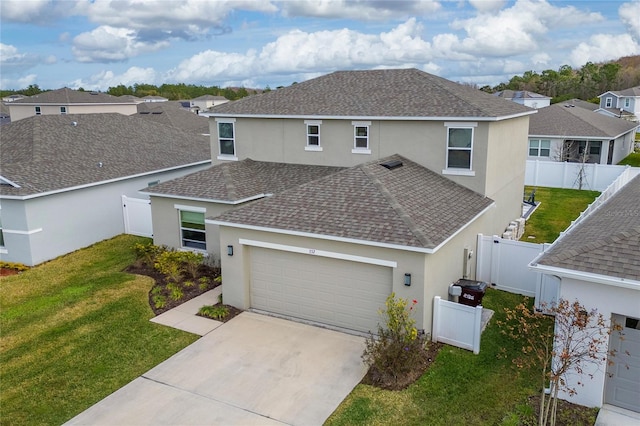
[(74, 123), (393, 164)]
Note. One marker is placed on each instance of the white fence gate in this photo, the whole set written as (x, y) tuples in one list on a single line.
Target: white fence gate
[(554, 174), (137, 216), (504, 264), (456, 324)]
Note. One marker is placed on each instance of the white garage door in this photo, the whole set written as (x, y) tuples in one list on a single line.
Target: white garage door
[(622, 388), (325, 290)]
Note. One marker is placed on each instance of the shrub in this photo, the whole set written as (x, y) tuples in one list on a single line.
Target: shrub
[(217, 312), (190, 262), (188, 284), (175, 292), (398, 348), (147, 253), (159, 301), (169, 263)]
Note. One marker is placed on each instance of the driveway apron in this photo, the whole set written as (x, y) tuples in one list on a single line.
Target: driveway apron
[(253, 370)]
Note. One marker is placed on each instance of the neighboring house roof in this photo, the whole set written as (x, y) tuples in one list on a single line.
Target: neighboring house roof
[(384, 94), (130, 98), (154, 98), (519, 94), (66, 96), (210, 98), (51, 153), (408, 206), (607, 242), (582, 104), (632, 91), (236, 182), (564, 120), (172, 114)]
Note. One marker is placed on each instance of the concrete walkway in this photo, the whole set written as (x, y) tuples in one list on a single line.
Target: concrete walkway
[(616, 416), (184, 317), (252, 370)]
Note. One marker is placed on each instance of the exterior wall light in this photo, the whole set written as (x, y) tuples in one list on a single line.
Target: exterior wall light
[(407, 279), (230, 250)]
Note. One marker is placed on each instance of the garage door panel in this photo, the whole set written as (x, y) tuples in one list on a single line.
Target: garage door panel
[(332, 291)]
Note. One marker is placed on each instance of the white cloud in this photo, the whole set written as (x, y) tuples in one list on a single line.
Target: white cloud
[(18, 83), (487, 5), (361, 10), (110, 44), (35, 11), (630, 16), (604, 47), (12, 60), (106, 79)]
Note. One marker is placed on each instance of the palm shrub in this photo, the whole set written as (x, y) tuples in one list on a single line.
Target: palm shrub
[(398, 347)]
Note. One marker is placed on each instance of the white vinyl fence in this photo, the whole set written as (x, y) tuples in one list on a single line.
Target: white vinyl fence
[(456, 324), (554, 174), (137, 216)]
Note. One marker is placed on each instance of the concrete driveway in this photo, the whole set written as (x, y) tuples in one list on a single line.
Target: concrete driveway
[(253, 370)]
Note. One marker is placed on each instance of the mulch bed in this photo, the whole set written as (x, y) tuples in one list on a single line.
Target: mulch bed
[(233, 311), (568, 414), (428, 355), (5, 272)]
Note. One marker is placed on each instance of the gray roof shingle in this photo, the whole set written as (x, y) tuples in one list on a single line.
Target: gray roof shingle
[(48, 152), (562, 120), (399, 93), (519, 94), (172, 114), (607, 242), (239, 180), (66, 96), (409, 206)]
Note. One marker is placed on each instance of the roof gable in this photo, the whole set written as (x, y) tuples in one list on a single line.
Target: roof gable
[(407, 206), (400, 93)]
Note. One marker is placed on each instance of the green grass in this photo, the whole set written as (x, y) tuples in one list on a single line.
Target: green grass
[(73, 331), (459, 388), (632, 159), (557, 209)]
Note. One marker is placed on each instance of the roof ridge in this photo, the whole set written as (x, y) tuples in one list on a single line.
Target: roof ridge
[(567, 254), (395, 205)]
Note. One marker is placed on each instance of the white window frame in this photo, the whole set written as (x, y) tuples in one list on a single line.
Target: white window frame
[(356, 149), (309, 146), (627, 102), (459, 170), (63, 110), (3, 247), (38, 110), (608, 102), (539, 148), (222, 156), (191, 209)]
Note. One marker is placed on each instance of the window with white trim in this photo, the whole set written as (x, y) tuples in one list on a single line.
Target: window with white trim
[(63, 110), (226, 138), (539, 147), (608, 103), (192, 230), (313, 135), (627, 102), (38, 110), (459, 147), (361, 137)]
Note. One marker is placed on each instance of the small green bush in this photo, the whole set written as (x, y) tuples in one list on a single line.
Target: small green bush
[(190, 262), (217, 312), (159, 301), (188, 284), (175, 291), (147, 253), (168, 263)]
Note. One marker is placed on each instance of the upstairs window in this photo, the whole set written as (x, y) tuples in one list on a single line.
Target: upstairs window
[(313, 135), (226, 139), (192, 230), (63, 110), (627, 102), (539, 148), (361, 137), (608, 103), (38, 111)]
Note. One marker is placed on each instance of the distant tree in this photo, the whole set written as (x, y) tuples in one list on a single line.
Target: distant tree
[(33, 89)]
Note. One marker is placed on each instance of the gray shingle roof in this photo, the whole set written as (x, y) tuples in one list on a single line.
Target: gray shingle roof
[(582, 104), (409, 206), (66, 96), (560, 120), (607, 242), (48, 153), (519, 94), (210, 98), (172, 114), (239, 180), (631, 91), (398, 93)]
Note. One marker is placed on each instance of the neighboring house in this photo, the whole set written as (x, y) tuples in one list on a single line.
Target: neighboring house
[(130, 98), (598, 264), (204, 102), (582, 104), (524, 97), (150, 98), (622, 104), (428, 164), (67, 101), (12, 98), (173, 114), (565, 132), (62, 178)]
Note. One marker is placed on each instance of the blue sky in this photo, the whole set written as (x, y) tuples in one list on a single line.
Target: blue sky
[(254, 43)]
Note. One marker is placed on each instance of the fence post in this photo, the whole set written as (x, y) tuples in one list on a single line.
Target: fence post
[(436, 316), (477, 327)]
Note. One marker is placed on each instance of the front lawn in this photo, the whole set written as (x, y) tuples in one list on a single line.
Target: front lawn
[(75, 330), (460, 388), (558, 208)]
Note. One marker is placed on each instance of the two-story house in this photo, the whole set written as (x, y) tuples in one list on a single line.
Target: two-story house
[(67, 101), (328, 195), (204, 102), (622, 104), (525, 97)]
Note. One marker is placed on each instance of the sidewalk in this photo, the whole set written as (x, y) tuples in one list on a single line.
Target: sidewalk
[(184, 317)]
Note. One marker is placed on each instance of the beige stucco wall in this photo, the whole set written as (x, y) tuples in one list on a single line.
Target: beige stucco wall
[(166, 222), (18, 112)]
